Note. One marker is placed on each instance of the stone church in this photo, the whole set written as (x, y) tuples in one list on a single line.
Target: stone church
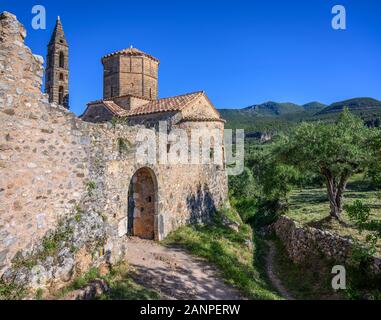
[(54, 165)]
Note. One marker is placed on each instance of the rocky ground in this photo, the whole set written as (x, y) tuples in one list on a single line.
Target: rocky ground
[(175, 273)]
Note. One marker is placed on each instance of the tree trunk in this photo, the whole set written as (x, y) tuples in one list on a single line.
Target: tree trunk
[(334, 200), (335, 193)]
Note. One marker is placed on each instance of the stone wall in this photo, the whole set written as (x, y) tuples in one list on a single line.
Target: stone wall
[(303, 242), (52, 164), (130, 75)]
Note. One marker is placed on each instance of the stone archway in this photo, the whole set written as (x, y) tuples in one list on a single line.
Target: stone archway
[(142, 208)]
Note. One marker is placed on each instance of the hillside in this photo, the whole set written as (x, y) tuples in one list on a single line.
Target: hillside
[(275, 117), (357, 105), (274, 109), (314, 106)]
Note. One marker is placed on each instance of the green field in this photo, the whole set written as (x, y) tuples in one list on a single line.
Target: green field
[(310, 207)]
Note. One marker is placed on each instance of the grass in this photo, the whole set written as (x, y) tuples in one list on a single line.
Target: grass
[(312, 280), (315, 283), (228, 250), (49, 248), (122, 286), (311, 207), (11, 291)]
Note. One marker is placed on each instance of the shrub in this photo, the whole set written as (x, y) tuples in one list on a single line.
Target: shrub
[(358, 212), (123, 145), (268, 211), (91, 186), (246, 209)]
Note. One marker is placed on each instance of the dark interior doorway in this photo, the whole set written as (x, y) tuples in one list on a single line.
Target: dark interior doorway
[(141, 204)]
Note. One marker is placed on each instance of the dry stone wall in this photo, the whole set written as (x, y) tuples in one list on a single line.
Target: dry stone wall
[(54, 166), (303, 242)]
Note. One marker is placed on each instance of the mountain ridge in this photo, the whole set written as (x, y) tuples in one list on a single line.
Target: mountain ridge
[(274, 116)]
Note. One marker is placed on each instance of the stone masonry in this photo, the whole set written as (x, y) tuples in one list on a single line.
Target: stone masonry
[(303, 242), (52, 163)]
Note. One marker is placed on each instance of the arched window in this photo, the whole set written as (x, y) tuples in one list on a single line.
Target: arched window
[(62, 60), (61, 77), (60, 96)]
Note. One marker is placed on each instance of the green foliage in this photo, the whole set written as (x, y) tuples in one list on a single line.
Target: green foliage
[(315, 272), (243, 186), (260, 194), (268, 211), (358, 212), (84, 279), (362, 252), (116, 120), (122, 286), (246, 208), (273, 180), (39, 294), (356, 105), (228, 250), (91, 186), (50, 247), (335, 151), (374, 173), (342, 147), (374, 165), (11, 291), (123, 145), (79, 209), (278, 117), (229, 213)]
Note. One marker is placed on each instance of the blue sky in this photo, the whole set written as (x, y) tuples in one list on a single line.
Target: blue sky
[(239, 52)]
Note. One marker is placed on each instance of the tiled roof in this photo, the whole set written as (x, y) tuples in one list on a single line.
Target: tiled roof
[(172, 104), (131, 52), (117, 97), (201, 119), (177, 103), (114, 108)]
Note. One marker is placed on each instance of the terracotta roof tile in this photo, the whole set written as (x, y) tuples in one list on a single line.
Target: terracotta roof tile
[(114, 108), (201, 119), (177, 103), (172, 104), (131, 52)]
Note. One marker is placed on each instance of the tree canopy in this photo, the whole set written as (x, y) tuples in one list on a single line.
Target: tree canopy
[(334, 150)]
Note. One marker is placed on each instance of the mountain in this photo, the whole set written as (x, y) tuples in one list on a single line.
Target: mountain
[(275, 117), (274, 109), (357, 105), (314, 106)]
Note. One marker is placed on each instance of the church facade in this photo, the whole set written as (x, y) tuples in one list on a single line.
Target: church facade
[(55, 165)]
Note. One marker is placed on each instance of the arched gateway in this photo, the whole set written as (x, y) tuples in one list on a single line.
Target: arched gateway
[(142, 205)]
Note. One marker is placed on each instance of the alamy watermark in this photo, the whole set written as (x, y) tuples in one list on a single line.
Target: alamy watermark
[(339, 21), (195, 146), (339, 281), (39, 20)]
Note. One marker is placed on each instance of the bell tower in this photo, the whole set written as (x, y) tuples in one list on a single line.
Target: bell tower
[(57, 67)]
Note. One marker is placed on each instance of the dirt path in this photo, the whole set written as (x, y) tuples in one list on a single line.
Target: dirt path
[(175, 273), (271, 274)]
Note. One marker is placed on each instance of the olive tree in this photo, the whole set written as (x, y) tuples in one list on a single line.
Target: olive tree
[(334, 150)]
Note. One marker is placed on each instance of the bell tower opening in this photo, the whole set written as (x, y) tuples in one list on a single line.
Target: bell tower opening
[(62, 60)]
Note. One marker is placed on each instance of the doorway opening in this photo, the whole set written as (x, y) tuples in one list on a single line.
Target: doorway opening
[(142, 197)]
